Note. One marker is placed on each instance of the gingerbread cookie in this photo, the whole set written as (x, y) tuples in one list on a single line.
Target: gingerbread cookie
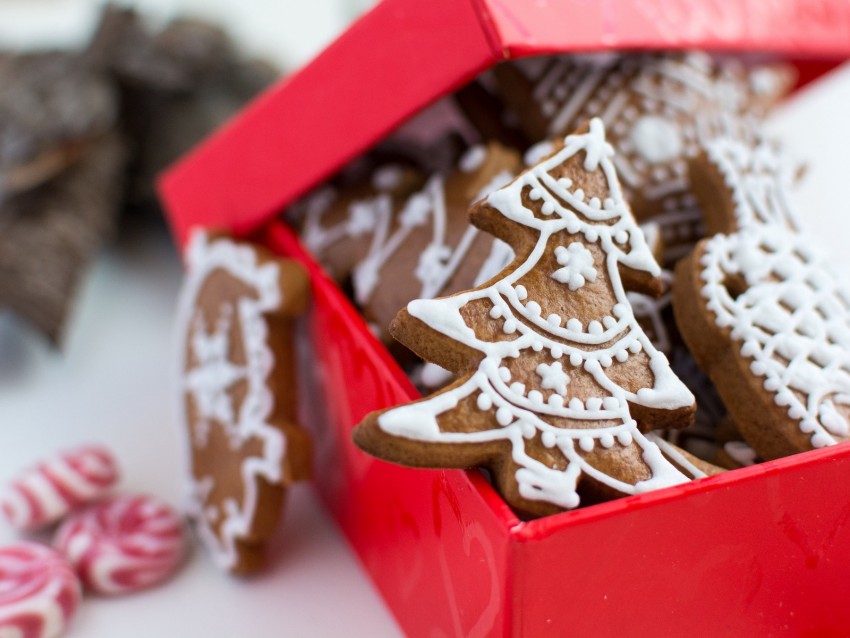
[(657, 108), (238, 393), (760, 309), (557, 381), (430, 248), (340, 226)]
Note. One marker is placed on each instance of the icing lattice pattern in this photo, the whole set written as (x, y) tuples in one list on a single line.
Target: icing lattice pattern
[(790, 315)]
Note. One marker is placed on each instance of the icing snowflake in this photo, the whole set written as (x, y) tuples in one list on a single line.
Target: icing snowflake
[(577, 262), (210, 380), (553, 377)]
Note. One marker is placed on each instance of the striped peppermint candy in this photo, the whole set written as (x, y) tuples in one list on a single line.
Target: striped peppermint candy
[(123, 544), (46, 492), (39, 591)]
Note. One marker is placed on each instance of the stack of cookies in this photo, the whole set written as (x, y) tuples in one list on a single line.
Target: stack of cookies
[(606, 289)]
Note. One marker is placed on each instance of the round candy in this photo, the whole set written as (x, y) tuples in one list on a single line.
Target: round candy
[(39, 591), (124, 544), (45, 493)]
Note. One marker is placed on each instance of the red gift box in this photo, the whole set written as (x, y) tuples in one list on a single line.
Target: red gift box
[(758, 551)]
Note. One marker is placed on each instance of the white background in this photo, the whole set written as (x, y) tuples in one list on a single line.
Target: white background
[(111, 381), (111, 384)]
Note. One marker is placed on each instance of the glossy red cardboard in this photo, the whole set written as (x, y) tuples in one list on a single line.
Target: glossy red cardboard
[(759, 551)]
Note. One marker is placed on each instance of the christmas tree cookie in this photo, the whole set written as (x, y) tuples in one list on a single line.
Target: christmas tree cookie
[(557, 382)]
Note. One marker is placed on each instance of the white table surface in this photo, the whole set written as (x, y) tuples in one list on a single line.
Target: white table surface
[(111, 384)]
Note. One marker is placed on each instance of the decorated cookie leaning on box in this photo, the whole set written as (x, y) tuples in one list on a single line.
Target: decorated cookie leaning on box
[(760, 307), (557, 381), (237, 393)]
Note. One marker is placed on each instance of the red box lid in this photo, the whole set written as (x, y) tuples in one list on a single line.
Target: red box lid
[(405, 54)]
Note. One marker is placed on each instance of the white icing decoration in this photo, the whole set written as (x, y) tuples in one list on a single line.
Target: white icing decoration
[(439, 261), (553, 377), (740, 452), (661, 107), (675, 455), (656, 139), (473, 158), (433, 376), (577, 262), (793, 319), (517, 411), (209, 381), (250, 420)]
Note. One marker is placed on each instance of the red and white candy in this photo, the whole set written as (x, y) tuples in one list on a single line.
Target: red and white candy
[(46, 492), (124, 544), (39, 591)]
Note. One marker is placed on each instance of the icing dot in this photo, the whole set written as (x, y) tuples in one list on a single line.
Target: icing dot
[(750, 348), (622, 355), (548, 439), (594, 328), (533, 308), (575, 359), (566, 182), (579, 194), (595, 204), (518, 388), (808, 426), (574, 325), (484, 401), (576, 404), (591, 366), (387, 178), (535, 194), (496, 312), (605, 360), (586, 443), (624, 437), (557, 352), (594, 403), (783, 398), (620, 310), (473, 159), (535, 396), (608, 203), (528, 430), (504, 374), (796, 412), (607, 440), (611, 403), (548, 208), (821, 440), (554, 320), (621, 237), (771, 384), (521, 292), (758, 368), (504, 416), (509, 327), (556, 401), (609, 322), (635, 347), (537, 345), (591, 234), (573, 225)]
